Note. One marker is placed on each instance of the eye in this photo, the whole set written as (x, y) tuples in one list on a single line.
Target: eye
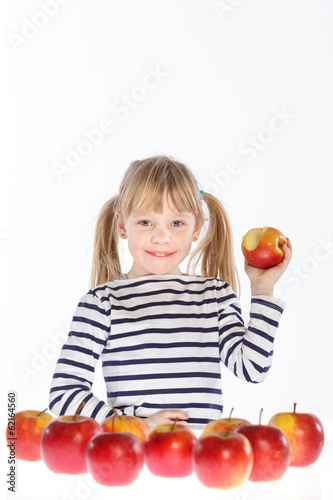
[(144, 223), (177, 223)]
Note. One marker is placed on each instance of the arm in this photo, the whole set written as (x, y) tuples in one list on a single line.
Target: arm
[(75, 369), (248, 352)]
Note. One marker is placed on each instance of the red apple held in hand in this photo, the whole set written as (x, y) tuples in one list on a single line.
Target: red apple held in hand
[(168, 450), (222, 460), (224, 424), (115, 458), (305, 434), (28, 429), (64, 443), (271, 451), (262, 247), (127, 423)]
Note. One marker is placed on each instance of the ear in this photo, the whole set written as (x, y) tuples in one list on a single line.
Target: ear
[(121, 226), (196, 232)]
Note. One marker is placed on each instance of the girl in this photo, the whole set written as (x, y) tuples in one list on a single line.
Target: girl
[(161, 334)]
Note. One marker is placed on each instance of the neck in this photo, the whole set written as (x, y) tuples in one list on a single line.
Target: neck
[(130, 275)]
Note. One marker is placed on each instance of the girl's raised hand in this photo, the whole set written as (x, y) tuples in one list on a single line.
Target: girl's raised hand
[(263, 280), (167, 417)]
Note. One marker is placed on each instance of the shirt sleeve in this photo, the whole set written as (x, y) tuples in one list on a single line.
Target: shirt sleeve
[(248, 351), (75, 369)]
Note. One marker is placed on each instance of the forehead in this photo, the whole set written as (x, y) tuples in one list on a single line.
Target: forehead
[(165, 208)]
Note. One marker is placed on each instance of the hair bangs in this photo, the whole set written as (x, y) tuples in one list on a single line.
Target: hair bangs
[(157, 178)]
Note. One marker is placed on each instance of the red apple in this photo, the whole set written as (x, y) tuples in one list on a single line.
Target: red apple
[(222, 460), (224, 424), (28, 428), (262, 247), (305, 434), (64, 443), (271, 451), (168, 450), (115, 458), (127, 423)]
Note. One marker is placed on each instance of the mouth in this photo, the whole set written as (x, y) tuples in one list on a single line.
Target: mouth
[(160, 254)]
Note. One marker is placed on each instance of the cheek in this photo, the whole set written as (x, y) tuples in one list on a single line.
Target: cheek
[(135, 241), (186, 243), (132, 246)]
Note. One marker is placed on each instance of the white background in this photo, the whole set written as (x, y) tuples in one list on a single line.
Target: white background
[(220, 75)]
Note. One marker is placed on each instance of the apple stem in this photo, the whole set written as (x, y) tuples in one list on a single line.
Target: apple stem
[(41, 412), (114, 416), (115, 412), (79, 409), (260, 415), (174, 424), (232, 409), (295, 404), (231, 429)]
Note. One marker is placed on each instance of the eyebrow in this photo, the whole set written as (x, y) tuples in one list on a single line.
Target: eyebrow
[(173, 214)]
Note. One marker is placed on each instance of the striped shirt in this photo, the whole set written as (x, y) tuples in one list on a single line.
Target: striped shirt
[(161, 340)]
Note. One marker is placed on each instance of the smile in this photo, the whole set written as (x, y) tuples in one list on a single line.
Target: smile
[(160, 254)]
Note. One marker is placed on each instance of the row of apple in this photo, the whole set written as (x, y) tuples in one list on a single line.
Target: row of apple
[(228, 452)]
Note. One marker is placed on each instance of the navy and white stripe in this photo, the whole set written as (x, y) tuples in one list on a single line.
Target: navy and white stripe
[(161, 340)]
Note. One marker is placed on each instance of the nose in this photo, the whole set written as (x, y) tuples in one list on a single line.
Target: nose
[(161, 236)]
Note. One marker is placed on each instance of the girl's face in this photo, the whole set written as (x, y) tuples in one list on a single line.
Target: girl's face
[(158, 242)]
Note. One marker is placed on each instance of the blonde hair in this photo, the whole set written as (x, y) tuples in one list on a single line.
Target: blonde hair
[(144, 184)]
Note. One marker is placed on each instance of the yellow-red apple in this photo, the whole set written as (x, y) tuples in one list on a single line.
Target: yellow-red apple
[(305, 434), (126, 423), (262, 247), (224, 424), (28, 428)]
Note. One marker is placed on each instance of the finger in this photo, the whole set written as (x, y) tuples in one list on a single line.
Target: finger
[(169, 416), (287, 248), (289, 245), (282, 266), (180, 415), (179, 422)]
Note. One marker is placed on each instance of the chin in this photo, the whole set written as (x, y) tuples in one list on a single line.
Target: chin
[(165, 271)]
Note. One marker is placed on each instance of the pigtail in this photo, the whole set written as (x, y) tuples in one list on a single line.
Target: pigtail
[(216, 249), (106, 262)]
